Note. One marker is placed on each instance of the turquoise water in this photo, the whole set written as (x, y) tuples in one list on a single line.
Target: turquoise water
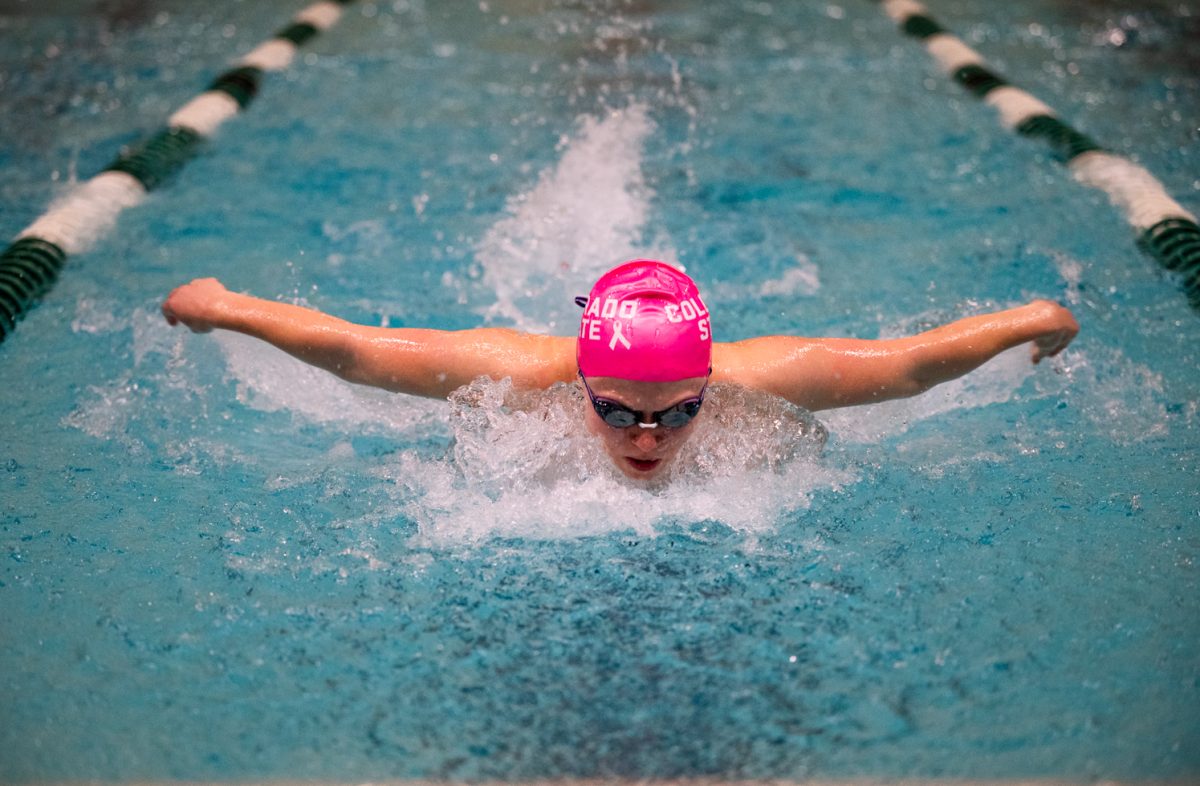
[(218, 564)]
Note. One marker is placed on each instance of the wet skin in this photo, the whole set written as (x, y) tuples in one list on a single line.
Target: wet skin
[(642, 453)]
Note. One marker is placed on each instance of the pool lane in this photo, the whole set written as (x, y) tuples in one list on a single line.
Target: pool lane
[(1165, 229), (31, 265)]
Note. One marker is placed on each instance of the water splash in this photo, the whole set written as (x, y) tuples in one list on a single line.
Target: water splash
[(162, 402), (996, 382), (97, 316), (803, 279), (271, 381), (520, 464), (1125, 401), (583, 216), (523, 466)]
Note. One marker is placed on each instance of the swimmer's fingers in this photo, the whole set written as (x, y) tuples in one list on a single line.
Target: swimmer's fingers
[(193, 304), (168, 311), (1049, 346), (1060, 331), (194, 325)]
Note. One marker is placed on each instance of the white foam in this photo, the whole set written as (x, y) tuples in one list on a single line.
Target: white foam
[(1071, 271), (110, 407), (106, 410), (524, 466), (995, 382), (803, 279), (271, 380), (1125, 401), (97, 316), (583, 216), (149, 337), (163, 399)]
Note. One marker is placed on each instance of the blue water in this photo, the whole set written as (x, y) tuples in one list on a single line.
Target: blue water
[(218, 564)]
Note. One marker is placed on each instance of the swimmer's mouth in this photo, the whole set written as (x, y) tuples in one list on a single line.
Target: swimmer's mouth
[(643, 465)]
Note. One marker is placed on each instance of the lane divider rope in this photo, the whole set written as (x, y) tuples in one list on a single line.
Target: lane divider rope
[(31, 264), (1165, 230)]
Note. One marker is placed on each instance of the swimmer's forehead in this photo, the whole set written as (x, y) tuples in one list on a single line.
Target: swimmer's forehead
[(628, 390)]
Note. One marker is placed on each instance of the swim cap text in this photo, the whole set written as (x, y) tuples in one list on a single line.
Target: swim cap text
[(688, 310)]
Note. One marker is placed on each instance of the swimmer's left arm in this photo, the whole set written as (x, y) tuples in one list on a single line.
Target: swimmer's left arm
[(824, 373)]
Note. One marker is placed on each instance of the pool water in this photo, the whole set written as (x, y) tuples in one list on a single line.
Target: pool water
[(218, 564)]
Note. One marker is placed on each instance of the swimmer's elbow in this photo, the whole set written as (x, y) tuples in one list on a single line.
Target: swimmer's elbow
[(904, 379), (361, 362), (895, 376), (919, 370), (915, 384)]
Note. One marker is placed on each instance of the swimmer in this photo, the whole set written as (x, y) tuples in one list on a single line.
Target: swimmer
[(644, 355)]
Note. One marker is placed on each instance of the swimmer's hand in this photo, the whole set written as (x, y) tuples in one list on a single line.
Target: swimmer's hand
[(197, 305), (1058, 329)]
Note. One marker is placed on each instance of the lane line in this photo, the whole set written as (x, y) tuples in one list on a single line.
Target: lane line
[(30, 266), (1165, 229)]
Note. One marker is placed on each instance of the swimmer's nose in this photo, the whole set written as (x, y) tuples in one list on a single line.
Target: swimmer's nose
[(645, 439)]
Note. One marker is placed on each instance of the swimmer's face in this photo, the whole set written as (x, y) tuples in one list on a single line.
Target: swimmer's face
[(642, 453)]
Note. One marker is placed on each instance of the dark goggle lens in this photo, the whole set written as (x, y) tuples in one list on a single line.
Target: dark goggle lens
[(680, 414), (620, 416), (677, 416), (615, 415)]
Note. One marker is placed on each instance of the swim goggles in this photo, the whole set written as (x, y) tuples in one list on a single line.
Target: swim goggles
[(621, 416)]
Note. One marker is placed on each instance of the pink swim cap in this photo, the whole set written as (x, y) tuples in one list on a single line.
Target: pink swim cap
[(644, 321)]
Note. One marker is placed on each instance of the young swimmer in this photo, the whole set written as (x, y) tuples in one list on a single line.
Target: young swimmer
[(644, 355)]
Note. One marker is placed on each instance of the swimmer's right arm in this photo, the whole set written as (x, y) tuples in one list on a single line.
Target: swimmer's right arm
[(416, 361)]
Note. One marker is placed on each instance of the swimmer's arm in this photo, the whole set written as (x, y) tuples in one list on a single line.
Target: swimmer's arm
[(416, 361), (824, 373)]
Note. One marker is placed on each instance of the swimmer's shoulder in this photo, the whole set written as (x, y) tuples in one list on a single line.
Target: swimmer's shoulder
[(743, 362), (772, 364), (536, 360)]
